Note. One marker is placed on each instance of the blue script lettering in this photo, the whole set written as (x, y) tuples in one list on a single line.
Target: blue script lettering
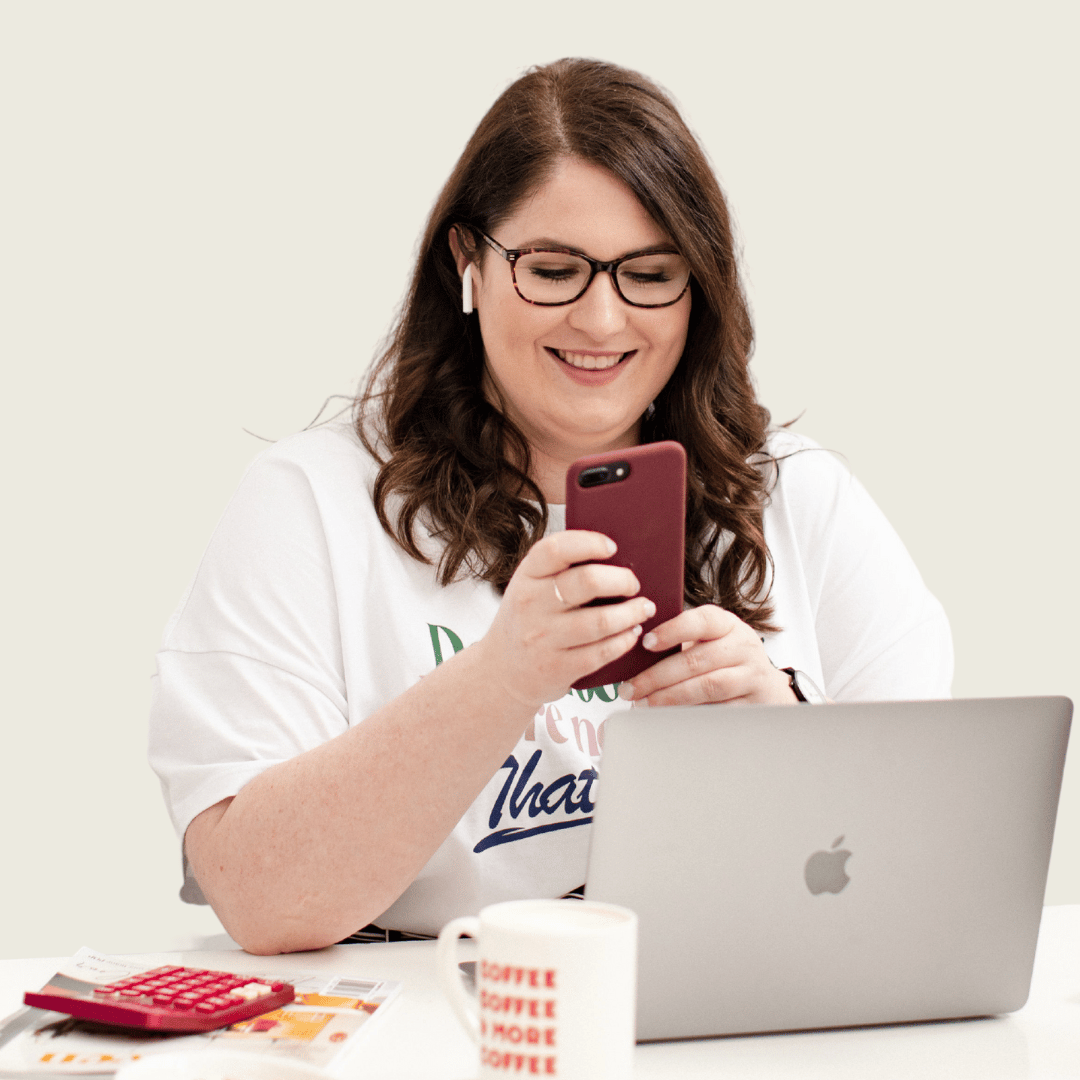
[(537, 800)]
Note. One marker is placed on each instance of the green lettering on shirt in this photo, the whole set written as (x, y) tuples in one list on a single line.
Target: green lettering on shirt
[(455, 641)]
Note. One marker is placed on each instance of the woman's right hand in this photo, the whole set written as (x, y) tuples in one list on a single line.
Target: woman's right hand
[(543, 638)]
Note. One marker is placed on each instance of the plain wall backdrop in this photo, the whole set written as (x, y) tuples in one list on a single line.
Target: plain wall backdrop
[(208, 213)]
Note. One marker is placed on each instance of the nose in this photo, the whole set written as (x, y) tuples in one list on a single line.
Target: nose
[(600, 313)]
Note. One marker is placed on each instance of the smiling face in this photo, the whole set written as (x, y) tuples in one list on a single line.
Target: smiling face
[(575, 379)]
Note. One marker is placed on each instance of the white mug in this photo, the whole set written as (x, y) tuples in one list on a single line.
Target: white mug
[(556, 984)]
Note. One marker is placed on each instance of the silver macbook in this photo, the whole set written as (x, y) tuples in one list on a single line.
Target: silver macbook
[(829, 865)]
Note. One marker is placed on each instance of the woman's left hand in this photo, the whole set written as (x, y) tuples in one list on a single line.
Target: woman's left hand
[(722, 659)]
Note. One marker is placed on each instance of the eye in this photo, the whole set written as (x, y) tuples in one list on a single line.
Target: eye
[(550, 270), (553, 273), (649, 277), (551, 266), (646, 277)]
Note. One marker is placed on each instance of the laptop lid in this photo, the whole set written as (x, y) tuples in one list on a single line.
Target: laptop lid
[(830, 865)]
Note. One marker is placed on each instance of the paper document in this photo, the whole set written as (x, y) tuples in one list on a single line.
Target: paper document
[(320, 1027)]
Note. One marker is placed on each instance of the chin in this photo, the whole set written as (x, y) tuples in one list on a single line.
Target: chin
[(603, 434)]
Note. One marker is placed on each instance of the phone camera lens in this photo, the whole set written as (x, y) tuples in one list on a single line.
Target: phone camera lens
[(603, 474)]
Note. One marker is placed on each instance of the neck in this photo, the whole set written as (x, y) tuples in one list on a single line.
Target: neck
[(548, 467), (549, 475)]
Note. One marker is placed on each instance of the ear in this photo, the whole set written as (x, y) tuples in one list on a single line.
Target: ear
[(465, 263), (461, 256)]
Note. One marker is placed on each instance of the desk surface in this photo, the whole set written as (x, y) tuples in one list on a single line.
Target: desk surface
[(419, 1039)]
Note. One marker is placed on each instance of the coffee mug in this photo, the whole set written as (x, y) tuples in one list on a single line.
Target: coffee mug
[(556, 983)]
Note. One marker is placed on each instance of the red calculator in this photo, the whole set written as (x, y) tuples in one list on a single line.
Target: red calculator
[(168, 999)]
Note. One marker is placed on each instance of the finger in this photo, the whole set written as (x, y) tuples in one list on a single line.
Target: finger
[(688, 665), (718, 670), (704, 623), (590, 581), (596, 654), (559, 552), (588, 625), (723, 687)]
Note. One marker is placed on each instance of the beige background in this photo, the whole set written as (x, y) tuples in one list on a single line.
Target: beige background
[(207, 216)]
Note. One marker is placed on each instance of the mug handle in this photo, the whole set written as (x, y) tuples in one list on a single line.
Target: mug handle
[(463, 1003)]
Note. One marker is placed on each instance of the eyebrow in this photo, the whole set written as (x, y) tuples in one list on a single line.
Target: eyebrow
[(550, 242)]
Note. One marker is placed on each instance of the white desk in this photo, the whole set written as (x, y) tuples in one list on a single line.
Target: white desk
[(419, 1039)]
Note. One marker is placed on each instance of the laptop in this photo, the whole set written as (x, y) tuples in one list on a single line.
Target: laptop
[(829, 865)]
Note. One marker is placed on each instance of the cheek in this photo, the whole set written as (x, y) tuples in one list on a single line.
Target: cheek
[(670, 339), (680, 329), (512, 326)]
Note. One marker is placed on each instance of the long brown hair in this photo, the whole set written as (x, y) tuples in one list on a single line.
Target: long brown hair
[(454, 464)]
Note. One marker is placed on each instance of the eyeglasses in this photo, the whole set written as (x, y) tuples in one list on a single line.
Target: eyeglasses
[(551, 277)]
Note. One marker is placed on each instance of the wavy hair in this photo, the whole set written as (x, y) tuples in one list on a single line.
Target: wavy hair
[(453, 464)]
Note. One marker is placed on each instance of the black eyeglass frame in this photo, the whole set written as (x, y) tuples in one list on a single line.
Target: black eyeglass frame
[(511, 255)]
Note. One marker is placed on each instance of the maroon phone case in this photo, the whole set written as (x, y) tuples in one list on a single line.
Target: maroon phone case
[(645, 514)]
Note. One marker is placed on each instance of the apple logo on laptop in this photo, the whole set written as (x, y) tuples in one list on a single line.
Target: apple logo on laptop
[(825, 869)]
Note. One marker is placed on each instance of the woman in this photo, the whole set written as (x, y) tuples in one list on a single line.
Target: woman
[(363, 709)]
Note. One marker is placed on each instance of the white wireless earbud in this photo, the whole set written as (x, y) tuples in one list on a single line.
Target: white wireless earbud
[(466, 290)]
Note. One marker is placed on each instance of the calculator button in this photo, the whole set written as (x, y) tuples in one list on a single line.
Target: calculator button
[(174, 999)]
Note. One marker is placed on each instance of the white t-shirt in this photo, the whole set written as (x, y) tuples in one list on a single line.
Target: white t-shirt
[(304, 617)]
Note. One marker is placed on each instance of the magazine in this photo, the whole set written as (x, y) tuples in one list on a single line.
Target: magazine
[(320, 1027)]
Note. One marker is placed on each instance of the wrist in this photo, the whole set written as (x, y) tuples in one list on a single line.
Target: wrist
[(508, 699), (783, 693), (804, 689)]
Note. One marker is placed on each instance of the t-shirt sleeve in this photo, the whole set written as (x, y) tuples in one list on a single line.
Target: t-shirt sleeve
[(881, 634), (250, 671)]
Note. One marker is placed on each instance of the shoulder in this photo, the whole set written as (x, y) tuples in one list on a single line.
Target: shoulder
[(302, 507), (325, 452), (804, 478), (815, 503), (299, 496), (317, 468), (800, 457)]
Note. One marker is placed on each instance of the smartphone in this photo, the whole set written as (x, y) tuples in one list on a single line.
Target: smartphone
[(638, 498)]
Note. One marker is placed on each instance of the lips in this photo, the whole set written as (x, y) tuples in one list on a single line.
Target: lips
[(590, 361)]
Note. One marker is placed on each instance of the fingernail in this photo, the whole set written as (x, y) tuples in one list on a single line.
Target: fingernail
[(626, 691), (612, 547), (650, 609), (637, 629), (642, 704), (649, 640)]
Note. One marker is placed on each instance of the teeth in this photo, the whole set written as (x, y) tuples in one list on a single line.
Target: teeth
[(590, 363)]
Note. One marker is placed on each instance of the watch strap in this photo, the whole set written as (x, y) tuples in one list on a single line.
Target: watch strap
[(803, 687)]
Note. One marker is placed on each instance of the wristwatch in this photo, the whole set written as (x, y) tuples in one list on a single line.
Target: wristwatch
[(803, 687)]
